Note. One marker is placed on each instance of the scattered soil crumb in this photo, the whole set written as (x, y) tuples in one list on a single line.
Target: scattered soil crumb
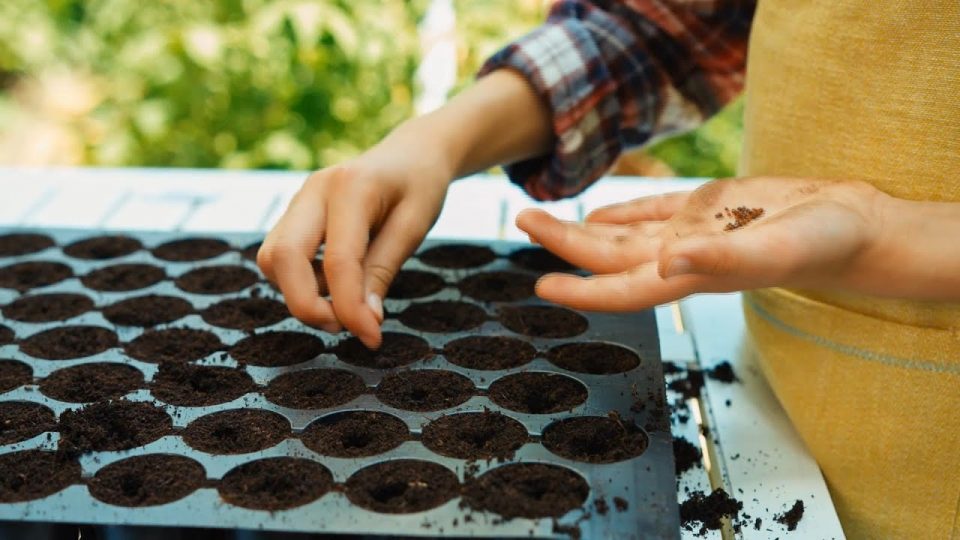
[(723, 372), (686, 455), (791, 517), (708, 510)]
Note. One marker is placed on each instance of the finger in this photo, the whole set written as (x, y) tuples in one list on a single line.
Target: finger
[(394, 243), (653, 208), (587, 247), (759, 256)]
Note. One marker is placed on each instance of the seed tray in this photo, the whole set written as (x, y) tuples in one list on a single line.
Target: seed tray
[(630, 494)]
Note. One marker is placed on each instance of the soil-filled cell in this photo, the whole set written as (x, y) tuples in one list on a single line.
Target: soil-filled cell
[(424, 390), (410, 284), (101, 248), (216, 279), (85, 383), (29, 275), (593, 358), (402, 486), (443, 316), (250, 252), (147, 480), (245, 313), (237, 431), (22, 420), (486, 435), (47, 307), (66, 342), (14, 374), (457, 256), (397, 350), (314, 388), (147, 311), (173, 345), (489, 352), (354, 434), (6, 335), (276, 349), (543, 321), (595, 439), (498, 286), (34, 474), (275, 483), (111, 425), (16, 244), (124, 277), (190, 385), (540, 260), (527, 490), (537, 392), (191, 249)]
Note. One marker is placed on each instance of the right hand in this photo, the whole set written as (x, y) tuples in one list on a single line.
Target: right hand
[(371, 213)]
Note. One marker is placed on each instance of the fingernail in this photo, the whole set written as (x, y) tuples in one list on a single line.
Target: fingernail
[(678, 266), (331, 328), (376, 304)]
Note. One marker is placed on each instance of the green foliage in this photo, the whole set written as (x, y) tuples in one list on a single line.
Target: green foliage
[(711, 151)]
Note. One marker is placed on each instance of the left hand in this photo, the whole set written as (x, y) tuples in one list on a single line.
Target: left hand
[(653, 250)]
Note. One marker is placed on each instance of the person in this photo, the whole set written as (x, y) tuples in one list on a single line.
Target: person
[(852, 147)]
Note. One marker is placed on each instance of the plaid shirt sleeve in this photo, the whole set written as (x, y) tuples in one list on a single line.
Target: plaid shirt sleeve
[(617, 73)]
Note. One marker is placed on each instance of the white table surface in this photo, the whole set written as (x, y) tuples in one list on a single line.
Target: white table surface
[(752, 450)]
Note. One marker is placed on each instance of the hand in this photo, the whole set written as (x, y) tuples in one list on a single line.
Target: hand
[(371, 214), (653, 250)]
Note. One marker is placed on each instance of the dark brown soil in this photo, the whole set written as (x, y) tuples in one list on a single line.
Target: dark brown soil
[(595, 439), (221, 279), (147, 311), (543, 321), (16, 244), (35, 474), (457, 256), (173, 345), (486, 435), (314, 388), (424, 390), (245, 313), (275, 483), (489, 352), (276, 349), (250, 252), (354, 434), (593, 358), (402, 486), (443, 316), (540, 260), (191, 249), (22, 420), (397, 350), (28, 275), (14, 374), (147, 480), (415, 284), (708, 510), (69, 342), (685, 455), (103, 247), (47, 307), (124, 277), (6, 335), (723, 372), (689, 386), (528, 490), (237, 431), (791, 517), (111, 425), (498, 286), (190, 385), (537, 392), (91, 382)]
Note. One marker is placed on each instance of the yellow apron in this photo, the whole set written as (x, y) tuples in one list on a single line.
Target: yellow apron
[(868, 90)]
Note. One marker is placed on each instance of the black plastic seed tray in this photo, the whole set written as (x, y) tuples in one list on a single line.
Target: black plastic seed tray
[(154, 380)]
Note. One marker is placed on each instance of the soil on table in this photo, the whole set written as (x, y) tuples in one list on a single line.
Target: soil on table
[(22, 420), (35, 474), (457, 256), (593, 358), (250, 252), (173, 345), (489, 352), (6, 335), (475, 435), (540, 260), (66, 342), (708, 510), (498, 286), (685, 455), (723, 372), (595, 439), (147, 480), (103, 247), (443, 316), (16, 244), (276, 349), (397, 350), (147, 311), (425, 390), (791, 517), (14, 374), (48, 307), (245, 313), (275, 483), (527, 490), (190, 385), (314, 388), (111, 425), (415, 284), (689, 386), (537, 392), (221, 279), (191, 249), (85, 383), (124, 277), (29, 275), (402, 486), (543, 321), (237, 431), (355, 434)]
